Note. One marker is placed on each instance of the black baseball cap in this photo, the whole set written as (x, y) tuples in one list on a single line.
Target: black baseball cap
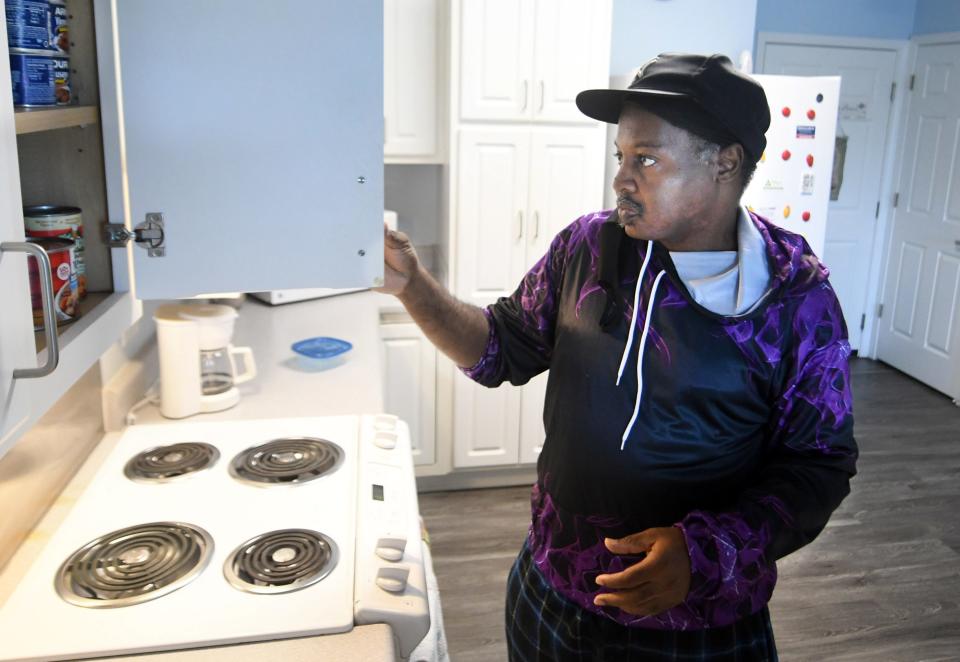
[(704, 93)]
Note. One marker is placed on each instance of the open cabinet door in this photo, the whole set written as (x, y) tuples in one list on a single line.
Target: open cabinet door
[(253, 131)]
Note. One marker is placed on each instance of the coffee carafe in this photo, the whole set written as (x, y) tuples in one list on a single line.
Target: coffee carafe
[(198, 364)]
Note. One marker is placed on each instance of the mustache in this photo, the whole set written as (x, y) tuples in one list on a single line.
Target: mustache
[(635, 207)]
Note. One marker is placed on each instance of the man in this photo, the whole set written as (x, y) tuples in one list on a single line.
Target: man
[(698, 409)]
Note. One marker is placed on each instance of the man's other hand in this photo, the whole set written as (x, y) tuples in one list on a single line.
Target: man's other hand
[(655, 584), (400, 261)]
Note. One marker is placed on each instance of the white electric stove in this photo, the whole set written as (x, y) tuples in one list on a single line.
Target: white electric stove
[(208, 533)]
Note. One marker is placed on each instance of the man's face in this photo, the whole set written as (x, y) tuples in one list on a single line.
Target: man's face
[(663, 191)]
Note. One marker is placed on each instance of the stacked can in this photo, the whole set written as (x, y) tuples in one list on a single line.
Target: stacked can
[(59, 222), (60, 42), (39, 41), (62, 278)]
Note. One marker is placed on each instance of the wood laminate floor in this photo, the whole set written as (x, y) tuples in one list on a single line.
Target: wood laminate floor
[(880, 584)]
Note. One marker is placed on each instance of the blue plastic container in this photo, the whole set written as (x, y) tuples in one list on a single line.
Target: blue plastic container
[(322, 352)]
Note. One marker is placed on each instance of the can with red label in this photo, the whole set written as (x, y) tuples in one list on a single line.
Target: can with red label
[(63, 279), (60, 222)]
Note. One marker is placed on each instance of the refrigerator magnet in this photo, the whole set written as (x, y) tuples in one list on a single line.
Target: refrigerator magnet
[(806, 132)]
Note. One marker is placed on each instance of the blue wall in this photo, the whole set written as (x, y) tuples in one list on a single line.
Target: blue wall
[(937, 16), (643, 29), (884, 19)]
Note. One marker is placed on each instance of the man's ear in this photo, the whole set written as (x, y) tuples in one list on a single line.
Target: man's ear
[(730, 163)]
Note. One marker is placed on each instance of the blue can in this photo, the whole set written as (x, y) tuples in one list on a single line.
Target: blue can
[(59, 26), (28, 24), (32, 75)]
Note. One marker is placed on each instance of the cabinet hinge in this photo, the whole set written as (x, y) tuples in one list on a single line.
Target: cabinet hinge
[(879, 310), (913, 78), (148, 235), (896, 200), (893, 90), (863, 321), (876, 214)]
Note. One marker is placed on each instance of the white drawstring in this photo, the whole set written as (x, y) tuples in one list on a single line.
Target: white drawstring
[(633, 320), (643, 338)]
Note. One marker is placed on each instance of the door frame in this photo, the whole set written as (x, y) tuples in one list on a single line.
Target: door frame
[(905, 52)]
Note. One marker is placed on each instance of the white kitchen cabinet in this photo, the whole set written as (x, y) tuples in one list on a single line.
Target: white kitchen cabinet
[(517, 188), (413, 83), (409, 382), (243, 150), (528, 59)]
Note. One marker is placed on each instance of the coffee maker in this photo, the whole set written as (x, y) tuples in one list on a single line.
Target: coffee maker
[(198, 364)]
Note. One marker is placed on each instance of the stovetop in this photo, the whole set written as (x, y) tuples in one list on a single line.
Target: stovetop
[(225, 507)]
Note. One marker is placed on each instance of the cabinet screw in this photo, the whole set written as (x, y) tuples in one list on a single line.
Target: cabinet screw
[(361, 252), (361, 179)]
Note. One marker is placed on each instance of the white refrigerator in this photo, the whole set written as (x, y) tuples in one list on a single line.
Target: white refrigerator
[(791, 186)]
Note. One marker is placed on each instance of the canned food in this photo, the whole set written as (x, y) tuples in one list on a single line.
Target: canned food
[(31, 73), (61, 79), (58, 222), (62, 277), (28, 23), (59, 29)]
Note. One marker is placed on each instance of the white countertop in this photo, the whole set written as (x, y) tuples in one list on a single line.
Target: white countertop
[(282, 388)]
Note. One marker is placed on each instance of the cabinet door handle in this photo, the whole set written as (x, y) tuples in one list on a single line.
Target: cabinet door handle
[(49, 309), (519, 225), (542, 94), (536, 225), (524, 94)]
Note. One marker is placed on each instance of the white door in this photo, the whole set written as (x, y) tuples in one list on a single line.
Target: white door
[(496, 59), (572, 55), (410, 77), (485, 430), (17, 348), (228, 136), (491, 212), (865, 90), (409, 363), (566, 182), (920, 331)]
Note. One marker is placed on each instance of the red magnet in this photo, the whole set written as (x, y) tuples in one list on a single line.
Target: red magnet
[(805, 216), (786, 111), (786, 155), (811, 114), (810, 160)]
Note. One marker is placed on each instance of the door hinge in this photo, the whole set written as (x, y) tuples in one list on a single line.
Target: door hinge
[(879, 310), (863, 321), (148, 235), (896, 200), (913, 78), (893, 90), (876, 214)]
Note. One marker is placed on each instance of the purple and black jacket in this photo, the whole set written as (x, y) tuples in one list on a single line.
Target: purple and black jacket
[(743, 434)]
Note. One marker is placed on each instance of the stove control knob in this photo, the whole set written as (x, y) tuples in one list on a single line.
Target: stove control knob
[(385, 440), (393, 579), (385, 422), (391, 549)]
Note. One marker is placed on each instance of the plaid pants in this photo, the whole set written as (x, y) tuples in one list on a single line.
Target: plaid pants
[(544, 626)]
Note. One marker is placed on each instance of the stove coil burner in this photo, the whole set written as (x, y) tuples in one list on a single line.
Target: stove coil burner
[(281, 561), (134, 565), (291, 460), (165, 463)]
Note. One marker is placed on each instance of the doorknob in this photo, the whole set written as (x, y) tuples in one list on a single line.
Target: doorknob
[(49, 309)]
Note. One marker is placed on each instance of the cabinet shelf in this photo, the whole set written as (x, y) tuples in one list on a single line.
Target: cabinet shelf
[(32, 120), (87, 305)]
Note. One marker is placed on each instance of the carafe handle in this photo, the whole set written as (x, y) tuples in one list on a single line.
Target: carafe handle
[(249, 365)]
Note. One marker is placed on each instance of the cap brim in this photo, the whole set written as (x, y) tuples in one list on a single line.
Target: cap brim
[(605, 105)]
